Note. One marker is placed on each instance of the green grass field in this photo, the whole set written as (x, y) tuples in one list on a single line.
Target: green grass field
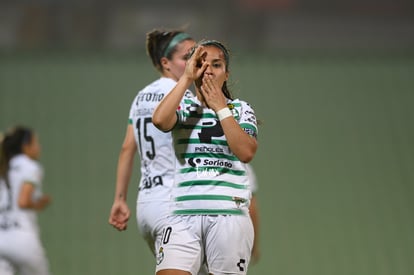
[(335, 162)]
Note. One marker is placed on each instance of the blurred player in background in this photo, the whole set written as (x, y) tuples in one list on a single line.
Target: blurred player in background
[(21, 197), (254, 213), (168, 51)]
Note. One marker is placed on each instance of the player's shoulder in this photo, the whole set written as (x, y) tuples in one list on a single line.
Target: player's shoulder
[(239, 101), (24, 162), (162, 85), (240, 104)]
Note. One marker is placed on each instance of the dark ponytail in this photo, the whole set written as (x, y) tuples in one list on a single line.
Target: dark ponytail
[(161, 44), (12, 145)]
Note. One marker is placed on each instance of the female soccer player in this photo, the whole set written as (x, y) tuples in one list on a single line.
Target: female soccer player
[(20, 198), (214, 136), (168, 51)]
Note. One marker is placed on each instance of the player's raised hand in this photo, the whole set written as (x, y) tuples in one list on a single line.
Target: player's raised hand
[(212, 93), (195, 65)]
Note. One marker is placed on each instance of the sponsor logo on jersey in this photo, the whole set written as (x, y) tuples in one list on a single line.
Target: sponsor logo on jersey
[(250, 132), (149, 182), (144, 112), (217, 162), (197, 162), (208, 149), (207, 172), (208, 167), (7, 224), (210, 129), (194, 162), (233, 111), (241, 264)]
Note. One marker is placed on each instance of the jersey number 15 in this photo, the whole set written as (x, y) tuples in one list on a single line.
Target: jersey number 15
[(143, 136)]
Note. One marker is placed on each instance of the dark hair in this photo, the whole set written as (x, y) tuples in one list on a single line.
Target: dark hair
[(12, 145), (226, 54), (161, 44)]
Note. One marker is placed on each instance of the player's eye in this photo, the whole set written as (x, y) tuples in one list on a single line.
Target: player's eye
[(217, 65)]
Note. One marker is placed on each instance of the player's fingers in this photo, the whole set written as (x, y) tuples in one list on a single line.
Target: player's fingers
[(119, 225), (204, 66), (205, 90), (198, 52)]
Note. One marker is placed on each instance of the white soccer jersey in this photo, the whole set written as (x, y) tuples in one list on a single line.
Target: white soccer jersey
[(20, 243), (22, 169), (210, 179), (252, 178), (154, 146)]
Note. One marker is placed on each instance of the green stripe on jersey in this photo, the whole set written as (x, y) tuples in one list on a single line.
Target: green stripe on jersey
[(130, 121), (209, 212), (190, 101), (211, 155), (235, 104), (204, 197), (196, 140), (212, 182)]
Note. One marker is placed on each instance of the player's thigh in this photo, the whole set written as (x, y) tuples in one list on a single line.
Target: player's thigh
[(229, 241), (180, 246), (6, 267), (26, 253), (34, 260), (151, 218)]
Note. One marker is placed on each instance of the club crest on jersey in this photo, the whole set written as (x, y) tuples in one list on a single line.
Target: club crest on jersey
[(233, 111)]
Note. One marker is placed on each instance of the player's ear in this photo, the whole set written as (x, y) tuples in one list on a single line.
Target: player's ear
[(165, 63)]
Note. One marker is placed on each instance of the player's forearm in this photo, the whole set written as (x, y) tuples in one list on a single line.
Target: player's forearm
[(240, 143), (39, 204), (124, 172), (164, 116)]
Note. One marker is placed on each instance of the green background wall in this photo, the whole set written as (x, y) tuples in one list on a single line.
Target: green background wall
[(335, 163)]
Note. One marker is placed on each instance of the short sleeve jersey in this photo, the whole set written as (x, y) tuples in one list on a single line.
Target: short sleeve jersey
[(22, 170), (210, 179), (154, 146)]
